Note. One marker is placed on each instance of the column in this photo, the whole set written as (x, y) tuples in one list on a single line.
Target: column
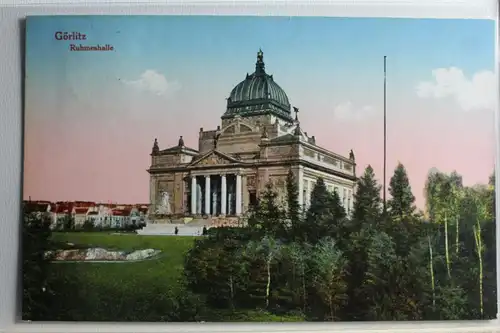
[(301, 186), (223, 199), (214, 198), (238, 194), (308, 194), (199, 197), (152, 196), (194, 189), (207, 195), (230, 196)]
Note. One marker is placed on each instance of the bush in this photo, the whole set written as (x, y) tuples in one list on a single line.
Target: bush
[(35, 266)]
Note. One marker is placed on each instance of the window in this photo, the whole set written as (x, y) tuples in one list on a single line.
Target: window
[(252, 198)]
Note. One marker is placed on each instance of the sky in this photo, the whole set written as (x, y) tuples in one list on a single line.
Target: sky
[(91, 117)]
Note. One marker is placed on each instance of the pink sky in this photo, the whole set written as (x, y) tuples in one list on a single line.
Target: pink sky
[(91, 118), (73, 159)]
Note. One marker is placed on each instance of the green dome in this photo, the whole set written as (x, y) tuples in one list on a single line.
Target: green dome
[(258, 94)]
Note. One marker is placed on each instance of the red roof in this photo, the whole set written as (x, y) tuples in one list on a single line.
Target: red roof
[(121, 212), (82, 206), (81, 210), (63, 208), (109, 205), (84, 203), (32, 207)]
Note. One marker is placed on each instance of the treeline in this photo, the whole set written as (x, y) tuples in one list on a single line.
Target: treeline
[(67, 224), (315, 265), (376, 264)]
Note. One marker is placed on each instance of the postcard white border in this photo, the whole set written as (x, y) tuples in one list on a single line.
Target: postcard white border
[(11, 97)]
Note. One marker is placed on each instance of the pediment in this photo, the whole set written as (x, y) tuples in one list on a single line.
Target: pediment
[(214, 157)]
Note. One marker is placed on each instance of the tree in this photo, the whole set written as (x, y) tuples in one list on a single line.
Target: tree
[(490, 253), (271, 250), (439, 192), (481, 203), (268, 218), (402, 202), (230, 270), (373, 266), (292, 195), (402, 228), (325, 216), (455, 200), (36, 244), (69, 222), (336, 208), (452, 302), (214, 267), (479, 251), (444, 199), (431, 273), (319, 199), (297, 256), (88, 225), (366, 216), (491, 186), (415, 284), (379, 285), (477, 234), (367, 202), (317, 216), (434, 179), (330, 267)]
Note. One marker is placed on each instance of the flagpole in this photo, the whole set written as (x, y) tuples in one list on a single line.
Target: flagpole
[(385, 130)]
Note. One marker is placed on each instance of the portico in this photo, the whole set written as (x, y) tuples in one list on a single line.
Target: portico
[(215, 194)]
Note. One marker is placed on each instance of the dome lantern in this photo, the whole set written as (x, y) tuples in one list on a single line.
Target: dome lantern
[(260, 67)]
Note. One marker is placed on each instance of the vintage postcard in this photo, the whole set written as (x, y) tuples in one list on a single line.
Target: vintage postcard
[(259, 169)]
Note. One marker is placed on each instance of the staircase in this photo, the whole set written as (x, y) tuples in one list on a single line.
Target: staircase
[(169, 230), (186, 226)]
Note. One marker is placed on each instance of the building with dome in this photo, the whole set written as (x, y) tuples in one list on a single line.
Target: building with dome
[(258, 141)]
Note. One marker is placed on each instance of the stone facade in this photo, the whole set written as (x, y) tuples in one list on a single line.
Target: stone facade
[(233, 163)]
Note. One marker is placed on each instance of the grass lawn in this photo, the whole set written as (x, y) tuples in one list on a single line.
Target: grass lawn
[(133, 291), (164, 270)]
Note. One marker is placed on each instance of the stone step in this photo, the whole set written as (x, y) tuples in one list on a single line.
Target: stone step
[(169, 229), (186, 226)]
